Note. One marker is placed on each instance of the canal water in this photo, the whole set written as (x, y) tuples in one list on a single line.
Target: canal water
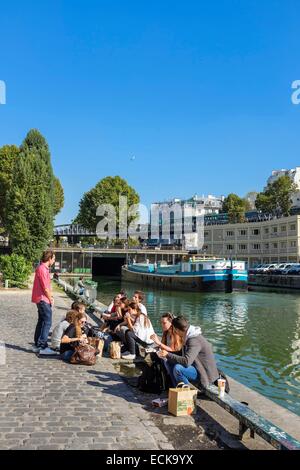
[(256, 335)]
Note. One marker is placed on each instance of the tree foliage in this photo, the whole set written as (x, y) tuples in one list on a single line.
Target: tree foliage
[(59, 197), (106, 191), (30, 200), (277, 197), (8, 157), (15, 268), (235, 207)]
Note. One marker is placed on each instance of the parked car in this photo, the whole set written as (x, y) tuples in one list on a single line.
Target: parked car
[(271, 268), (282, 267), (294, 270)]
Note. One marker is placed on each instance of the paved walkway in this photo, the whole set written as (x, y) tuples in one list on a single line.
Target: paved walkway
[(47, 404)]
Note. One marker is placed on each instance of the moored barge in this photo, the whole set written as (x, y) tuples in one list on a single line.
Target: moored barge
[(196, 274)]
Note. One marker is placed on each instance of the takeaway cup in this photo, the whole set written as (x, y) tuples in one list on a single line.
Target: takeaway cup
[(221, 387)]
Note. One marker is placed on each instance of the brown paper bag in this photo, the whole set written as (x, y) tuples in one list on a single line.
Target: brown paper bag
[(115, 350), (182, 400), (98, 344)]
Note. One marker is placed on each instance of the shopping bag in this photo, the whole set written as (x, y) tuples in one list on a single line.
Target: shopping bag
[(98, 344), (115, 350), (182, 400)]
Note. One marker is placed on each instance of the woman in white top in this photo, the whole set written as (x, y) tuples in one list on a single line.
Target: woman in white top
[(139, 330)]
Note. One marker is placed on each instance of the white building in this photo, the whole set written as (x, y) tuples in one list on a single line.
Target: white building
[(294, 174)]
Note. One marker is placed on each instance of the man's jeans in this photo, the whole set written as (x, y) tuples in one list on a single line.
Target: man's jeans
[(43, 325), (184, 374)]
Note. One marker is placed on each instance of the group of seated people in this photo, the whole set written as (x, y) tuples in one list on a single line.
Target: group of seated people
[(186, 354)]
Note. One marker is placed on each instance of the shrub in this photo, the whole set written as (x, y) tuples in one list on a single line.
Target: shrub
[(16, 269)]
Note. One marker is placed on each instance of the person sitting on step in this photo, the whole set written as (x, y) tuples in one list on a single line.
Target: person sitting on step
[(73, 336), (170, 341), (197, 363), (137, 329), (60, 328)]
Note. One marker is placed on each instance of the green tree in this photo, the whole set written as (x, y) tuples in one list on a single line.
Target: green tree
[(8, 157), (235, 207), (277, 197), (15, 268), (30, 200), (59, 197), (106, 191)]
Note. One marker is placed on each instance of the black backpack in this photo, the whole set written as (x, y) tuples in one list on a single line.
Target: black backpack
[(154, 378)]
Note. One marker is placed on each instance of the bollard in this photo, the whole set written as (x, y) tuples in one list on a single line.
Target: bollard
[(6, 284)]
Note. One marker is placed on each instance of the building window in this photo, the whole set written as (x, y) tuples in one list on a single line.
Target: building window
[(266, 246), (242, 247), (283, 228), (274, 229), (255, 231), (206, 234), (243, 232), (293, 244), (230, 233), (293, 227), (283, 244), (230, 247), (275, 245), (266, 230), (256, 246)]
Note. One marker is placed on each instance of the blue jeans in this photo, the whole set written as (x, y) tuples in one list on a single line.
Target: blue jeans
[(184, 374), (43, 325), (67, 355)]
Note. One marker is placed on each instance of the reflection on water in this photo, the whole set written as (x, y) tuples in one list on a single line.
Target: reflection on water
[(255, 334)]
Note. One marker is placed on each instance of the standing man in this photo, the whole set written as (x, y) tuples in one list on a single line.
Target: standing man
[(42, 297)]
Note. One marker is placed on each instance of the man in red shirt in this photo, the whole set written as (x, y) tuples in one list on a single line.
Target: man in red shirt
[(42, 297)]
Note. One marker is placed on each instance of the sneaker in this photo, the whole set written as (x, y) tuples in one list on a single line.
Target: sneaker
[(35, 349), (47, 352), (128, 356)]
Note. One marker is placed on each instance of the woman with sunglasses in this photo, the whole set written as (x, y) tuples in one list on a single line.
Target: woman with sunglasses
[(73, 336)]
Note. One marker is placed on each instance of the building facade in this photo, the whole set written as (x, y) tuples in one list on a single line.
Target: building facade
[(269, 241)]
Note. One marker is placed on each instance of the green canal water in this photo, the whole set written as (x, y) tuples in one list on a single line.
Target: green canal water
[(256, 335)]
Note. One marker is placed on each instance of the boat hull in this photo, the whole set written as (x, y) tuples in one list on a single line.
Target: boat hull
[(186, 283)]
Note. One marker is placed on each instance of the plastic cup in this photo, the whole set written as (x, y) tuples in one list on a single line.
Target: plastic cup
[(221, 387)]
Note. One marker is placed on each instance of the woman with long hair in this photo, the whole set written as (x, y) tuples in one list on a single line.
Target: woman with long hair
[(197, 362), (74, 335), (137, 329), (170, 340)]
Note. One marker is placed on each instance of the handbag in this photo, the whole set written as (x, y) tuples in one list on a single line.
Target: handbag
[(84, 354)]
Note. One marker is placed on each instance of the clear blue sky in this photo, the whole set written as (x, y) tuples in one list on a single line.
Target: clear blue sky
[(199, 92)]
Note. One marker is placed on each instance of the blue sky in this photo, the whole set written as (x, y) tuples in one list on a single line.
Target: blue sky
[(199, 92)]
